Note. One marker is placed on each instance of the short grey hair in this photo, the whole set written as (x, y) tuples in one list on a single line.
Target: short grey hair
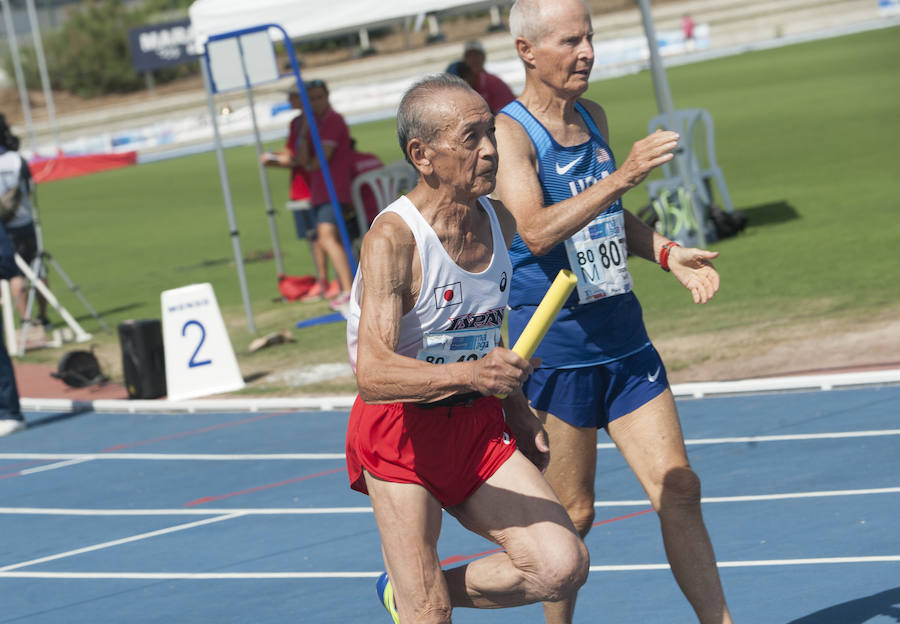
[(413, 120), (525, 20)]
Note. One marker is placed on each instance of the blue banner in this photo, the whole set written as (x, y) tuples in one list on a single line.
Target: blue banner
[(162, 45)]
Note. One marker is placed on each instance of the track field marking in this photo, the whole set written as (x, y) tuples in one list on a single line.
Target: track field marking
[(175, 456), (312, 511), (45, 467), (259, 488), (183, 434), (275, 511), (777, 438), (763, 497), (340, 456), (239, 576), (118, 542)]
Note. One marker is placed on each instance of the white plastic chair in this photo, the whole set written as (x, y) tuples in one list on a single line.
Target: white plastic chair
[(387, 184)]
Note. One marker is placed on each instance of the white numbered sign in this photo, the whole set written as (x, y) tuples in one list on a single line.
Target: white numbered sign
[(199, 356)]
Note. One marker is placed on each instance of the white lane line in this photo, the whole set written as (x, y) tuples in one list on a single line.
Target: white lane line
[(349, 575), (126, 540), (312, 511), (752, 564), (759, 497), (171, 456), (340, 456), (54, 466), (779, 438), (276, 511)]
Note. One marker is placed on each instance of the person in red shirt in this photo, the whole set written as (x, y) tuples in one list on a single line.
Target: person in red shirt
[(335, 138), (687, 27), (495, 92), (300, 204)]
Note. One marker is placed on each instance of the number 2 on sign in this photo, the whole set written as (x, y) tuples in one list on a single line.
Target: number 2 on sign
[(193, 362)]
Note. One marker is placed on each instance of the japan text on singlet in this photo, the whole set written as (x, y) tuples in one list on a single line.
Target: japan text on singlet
[(602, 319), (458, 314)]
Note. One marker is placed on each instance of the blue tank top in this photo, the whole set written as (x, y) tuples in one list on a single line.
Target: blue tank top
[(584, 334)]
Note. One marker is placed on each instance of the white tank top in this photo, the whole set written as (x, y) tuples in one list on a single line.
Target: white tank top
[(458, 314)]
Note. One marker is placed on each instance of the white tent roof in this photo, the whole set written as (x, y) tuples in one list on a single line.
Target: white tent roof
[(307, 18)]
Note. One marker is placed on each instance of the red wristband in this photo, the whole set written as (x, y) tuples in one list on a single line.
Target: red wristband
[(664, 255)]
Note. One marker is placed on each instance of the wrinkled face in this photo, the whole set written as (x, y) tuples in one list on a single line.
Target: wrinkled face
[(465, 151), (318, 100), (564, 55)]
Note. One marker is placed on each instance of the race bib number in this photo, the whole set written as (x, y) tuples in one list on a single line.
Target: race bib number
[(598, 256), (458, 346)]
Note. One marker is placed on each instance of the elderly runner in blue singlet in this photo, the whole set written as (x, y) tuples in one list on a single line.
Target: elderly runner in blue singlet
[(558, 177)]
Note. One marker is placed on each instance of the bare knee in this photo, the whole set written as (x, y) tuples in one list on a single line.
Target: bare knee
[(581, 512), (563, 568), (680, 490)]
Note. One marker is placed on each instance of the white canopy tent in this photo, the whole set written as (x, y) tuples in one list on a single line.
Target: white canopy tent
[(312, 18)]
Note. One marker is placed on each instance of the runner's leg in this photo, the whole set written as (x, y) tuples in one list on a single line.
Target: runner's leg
[(544, 558), (409, 521), (571, 474), (652, 443)]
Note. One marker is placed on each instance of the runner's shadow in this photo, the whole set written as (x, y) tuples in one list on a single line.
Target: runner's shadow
[(886, 603)]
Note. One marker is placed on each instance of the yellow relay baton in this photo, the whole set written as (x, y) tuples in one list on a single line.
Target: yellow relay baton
[(544, 315)]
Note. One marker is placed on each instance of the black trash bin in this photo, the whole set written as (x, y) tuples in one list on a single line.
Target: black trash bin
[(143, 358)]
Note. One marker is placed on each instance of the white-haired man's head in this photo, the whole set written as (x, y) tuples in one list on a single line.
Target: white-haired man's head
[(527, 18)]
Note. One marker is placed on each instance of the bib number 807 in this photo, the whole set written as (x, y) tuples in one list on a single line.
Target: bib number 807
[(610, 255)]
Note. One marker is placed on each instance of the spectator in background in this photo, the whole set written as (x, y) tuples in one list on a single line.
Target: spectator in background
[(495, 92), (300, 204), (363, 162), (335, 137), (11, 419), (687, 27), (15, 174)]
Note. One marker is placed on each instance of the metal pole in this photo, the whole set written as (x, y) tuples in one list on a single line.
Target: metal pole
[(682, 161), (20, 76), (263, 178), (226, 192), (42, 68), (658, 71)]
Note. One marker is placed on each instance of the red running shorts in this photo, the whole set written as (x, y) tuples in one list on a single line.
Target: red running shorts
[(450, 451)]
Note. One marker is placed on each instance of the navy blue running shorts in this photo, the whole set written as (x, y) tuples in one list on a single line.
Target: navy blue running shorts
[(594, 396)]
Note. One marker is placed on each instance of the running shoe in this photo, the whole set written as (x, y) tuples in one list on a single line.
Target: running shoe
[(12, 425), (313, 294), (386, 595), (333, 290), (341, 303)]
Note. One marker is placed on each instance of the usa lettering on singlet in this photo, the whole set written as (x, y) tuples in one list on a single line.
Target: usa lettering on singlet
[(458, 314), (601, 321)]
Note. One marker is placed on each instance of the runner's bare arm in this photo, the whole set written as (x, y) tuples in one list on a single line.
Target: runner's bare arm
[(390, 283), (542, 228)]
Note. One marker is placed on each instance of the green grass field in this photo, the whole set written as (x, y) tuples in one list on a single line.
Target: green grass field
[(805, 135)]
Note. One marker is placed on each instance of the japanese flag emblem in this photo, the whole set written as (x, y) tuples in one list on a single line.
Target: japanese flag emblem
[(447, 296)]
